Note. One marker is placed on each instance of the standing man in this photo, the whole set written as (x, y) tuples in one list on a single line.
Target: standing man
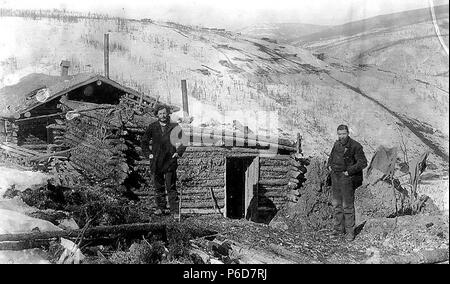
[(166, 149), (346, 162)]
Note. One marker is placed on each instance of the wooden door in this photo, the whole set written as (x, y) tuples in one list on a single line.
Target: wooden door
[(251, 190)]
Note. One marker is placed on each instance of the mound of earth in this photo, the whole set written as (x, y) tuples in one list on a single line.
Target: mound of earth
[(314, 211)]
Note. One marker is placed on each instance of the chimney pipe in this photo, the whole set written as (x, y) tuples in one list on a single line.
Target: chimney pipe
[(106, 54), (65, 64)]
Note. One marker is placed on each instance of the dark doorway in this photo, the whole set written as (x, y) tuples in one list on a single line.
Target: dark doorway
[(97, 93), (241, 187)]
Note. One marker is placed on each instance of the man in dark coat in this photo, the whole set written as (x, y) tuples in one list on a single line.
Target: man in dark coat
[(166, 140), (346, 162)]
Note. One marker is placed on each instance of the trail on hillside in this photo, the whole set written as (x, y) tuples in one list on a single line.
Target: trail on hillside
[(414, 127)]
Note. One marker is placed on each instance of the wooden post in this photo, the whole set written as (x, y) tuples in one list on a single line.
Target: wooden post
[(185, 98), (141, 99), (245, 136), (299, 143), (106, 54)]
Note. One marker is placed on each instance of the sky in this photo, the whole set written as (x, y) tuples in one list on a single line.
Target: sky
[(233, 14)]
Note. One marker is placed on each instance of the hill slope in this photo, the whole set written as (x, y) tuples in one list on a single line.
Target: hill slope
[(402, 42), (231, 76)]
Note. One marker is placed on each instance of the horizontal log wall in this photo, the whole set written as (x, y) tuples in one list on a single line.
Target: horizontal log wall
[(201, 179), (202, 169), (273, 181)]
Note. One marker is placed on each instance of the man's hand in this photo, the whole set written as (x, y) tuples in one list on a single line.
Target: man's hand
[(175, 156), (345, 173), (150, 156)]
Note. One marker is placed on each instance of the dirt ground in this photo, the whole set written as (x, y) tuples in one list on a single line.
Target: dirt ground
[(407, 239)]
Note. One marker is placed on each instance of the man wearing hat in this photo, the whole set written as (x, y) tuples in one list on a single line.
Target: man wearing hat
[(166, 149)]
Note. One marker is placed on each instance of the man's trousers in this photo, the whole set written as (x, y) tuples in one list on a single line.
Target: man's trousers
[(343, 199), (166, 182)]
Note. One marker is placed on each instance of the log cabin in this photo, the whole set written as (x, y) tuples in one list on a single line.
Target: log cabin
[(87, 129)]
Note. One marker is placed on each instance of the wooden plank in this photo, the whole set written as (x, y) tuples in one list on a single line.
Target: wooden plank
[(251, 185)]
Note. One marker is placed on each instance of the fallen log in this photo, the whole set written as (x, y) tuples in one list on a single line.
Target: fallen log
[(23, 245), (100, 231)]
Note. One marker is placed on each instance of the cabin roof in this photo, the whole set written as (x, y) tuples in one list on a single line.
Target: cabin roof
[(21, 97)]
